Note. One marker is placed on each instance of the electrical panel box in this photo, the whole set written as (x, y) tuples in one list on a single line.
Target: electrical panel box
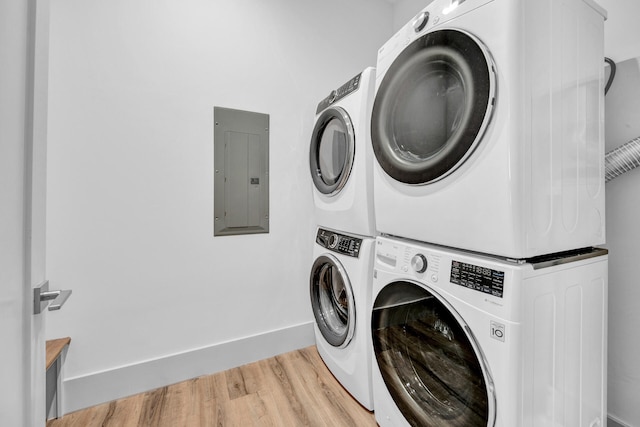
[(241, 172)]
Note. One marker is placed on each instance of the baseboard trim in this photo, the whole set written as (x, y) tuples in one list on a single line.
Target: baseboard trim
[(94, 389), (615, 422)]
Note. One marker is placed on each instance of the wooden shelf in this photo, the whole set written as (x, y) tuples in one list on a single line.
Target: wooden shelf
[(54, 348)]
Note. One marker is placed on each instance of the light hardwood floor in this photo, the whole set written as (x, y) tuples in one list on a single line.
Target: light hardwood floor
[(292, 389)]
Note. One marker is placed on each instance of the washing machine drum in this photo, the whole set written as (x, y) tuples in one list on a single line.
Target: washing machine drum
[(332, 301), (432, 106), (432, 367), (332, 151)]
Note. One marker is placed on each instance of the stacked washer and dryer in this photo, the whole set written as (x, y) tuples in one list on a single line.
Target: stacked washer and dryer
[(489, 298), (341, 163), (459, 193)]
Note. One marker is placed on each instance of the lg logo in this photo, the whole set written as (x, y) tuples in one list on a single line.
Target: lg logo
[(497, 331)]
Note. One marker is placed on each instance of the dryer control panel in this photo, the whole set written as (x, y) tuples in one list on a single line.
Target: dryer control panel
[(340, 243), (336, 95)]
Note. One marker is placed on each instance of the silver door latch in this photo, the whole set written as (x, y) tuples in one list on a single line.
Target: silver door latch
[(42, 297)]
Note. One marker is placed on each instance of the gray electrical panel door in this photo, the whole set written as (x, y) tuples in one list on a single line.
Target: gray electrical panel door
[(241, 178)]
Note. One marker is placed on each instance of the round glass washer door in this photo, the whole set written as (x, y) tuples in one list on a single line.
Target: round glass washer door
[(332, 150), (332, 301), (432, 107), (429, 360)]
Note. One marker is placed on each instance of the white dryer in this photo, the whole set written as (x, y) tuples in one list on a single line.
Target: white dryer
[(341, 158), (487, 127), (467, 340), (340, 287)]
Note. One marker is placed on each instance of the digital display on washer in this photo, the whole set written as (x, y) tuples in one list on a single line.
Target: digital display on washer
[(478, 278)]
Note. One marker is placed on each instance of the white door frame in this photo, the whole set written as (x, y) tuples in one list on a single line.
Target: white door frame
[(24, 34)]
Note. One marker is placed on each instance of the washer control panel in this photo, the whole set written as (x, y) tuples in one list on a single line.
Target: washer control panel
[(340, 243), (478, 278), (336, 95)]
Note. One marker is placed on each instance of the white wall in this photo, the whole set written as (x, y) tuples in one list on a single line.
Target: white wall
[(622, 32), (623, 235), (130, 205), (622, 41)]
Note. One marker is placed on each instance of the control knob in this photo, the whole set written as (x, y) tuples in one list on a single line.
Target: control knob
[(332, 96), (419, 263), (333, 241)]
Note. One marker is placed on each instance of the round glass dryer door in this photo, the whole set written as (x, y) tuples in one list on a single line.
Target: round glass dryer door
[(332, 150), (332, 301), (431, 366), (432, 107)]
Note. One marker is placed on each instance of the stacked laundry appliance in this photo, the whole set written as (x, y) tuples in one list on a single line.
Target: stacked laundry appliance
[(489, 297), (341, 165)]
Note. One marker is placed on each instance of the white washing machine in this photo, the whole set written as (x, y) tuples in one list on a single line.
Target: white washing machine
[(487, 127), (341, 157), (340, 287), (467, 340)]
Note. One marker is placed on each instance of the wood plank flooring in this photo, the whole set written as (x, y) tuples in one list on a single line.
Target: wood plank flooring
[(292, 389)]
